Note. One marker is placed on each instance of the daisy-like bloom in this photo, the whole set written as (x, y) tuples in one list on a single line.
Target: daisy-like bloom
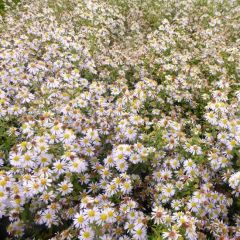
[(234, 181), (158, 214), (68, 136), (103, 218), (175, 163), (57, 129), (231, 144), (139, 232), (27, 159), (92, 134), (85, 142), (193, 206), (44, 182), (198, 197), (91, 214), (47, 196), (157, 176), (135, 158), (111, 189), (171, 235), (65, 187), (84, 178), (121, 166), (168, 190), (195, 150), (15, 159), (89, 151), (130, 134), (55, 207), (3, 195), (44, 159), (111, 214), (129, 226), (94, 187), (78, 165), (86, 234), (172, 142), (189, 165), (59, 166), (126, 187), (80, 220), (211, 117), (176, 204), (223, 137), (49, 218), (33, 68), (119, 156), (105, 173)]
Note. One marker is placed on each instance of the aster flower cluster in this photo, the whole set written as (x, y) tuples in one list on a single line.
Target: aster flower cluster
[(120, 119)]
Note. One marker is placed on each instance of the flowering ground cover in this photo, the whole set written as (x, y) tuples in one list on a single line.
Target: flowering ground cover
[(120, 119)]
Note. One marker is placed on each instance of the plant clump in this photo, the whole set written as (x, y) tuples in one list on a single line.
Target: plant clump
[(120, 119)]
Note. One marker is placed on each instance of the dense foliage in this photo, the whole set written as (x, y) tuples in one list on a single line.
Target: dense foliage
[(120, 119)]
